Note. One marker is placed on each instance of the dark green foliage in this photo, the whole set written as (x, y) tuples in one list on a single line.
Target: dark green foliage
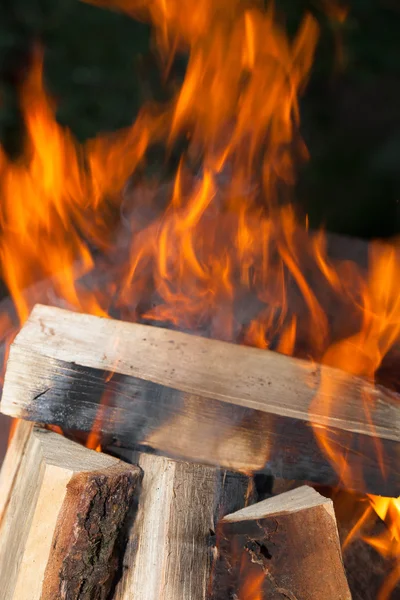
[(100, 68), (351, 123), (92, 66)]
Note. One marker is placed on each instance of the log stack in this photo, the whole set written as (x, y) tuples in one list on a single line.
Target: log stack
[(168, 510)]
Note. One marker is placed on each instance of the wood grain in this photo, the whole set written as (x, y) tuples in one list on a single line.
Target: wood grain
[(172, 542), (284, 547), (12, 462), (201, 399), (59, 531)]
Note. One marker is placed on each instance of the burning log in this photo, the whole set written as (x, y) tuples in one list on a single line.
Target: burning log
[(170, 549), (287, 547), (201, 399), (60, 530)]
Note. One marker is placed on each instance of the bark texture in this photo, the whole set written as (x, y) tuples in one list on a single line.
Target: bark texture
[(85, 556), (283, 548), (61, 526)]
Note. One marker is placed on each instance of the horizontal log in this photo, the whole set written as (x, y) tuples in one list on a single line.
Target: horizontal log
[(66, 509), (284, 547), (201, 399)]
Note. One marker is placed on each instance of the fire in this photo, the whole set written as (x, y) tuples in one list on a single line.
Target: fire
[(59, 199), (251, 576), (362, 354), (222, 236), (387, 543), (42, 196), (253, 588)]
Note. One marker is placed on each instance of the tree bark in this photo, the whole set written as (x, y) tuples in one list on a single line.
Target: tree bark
[(60, 530), (283, 548), (202, 400)]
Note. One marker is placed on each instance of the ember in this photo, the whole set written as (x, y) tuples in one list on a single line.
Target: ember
[(218, 251)]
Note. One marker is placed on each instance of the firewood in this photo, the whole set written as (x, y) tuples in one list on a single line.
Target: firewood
[(12, 462), (60, 530), (171, 546), (201, 399), (285, 547)]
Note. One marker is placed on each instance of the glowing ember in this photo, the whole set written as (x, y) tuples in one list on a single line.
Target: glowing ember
[(225, 237)]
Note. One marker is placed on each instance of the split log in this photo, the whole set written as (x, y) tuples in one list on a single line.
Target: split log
[(12, 462), (284, 547), (200, 399), (60, 530), (172, 542), (366, 569)]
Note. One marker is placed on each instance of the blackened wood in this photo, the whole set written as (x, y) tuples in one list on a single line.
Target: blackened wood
[(223, 404), (284, 547)]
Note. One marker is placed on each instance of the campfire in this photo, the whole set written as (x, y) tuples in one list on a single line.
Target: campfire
[(205, 391)]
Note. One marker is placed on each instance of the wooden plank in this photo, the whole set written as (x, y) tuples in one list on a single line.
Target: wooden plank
[(60, 529), (284, 547), (224, 404), (171, 545)]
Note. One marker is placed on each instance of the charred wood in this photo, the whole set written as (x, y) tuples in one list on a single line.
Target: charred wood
[(200, 399), (284, 547)]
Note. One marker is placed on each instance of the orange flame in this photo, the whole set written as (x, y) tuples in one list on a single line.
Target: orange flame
[(388, 544), (252, 588), (251, 575), (226, 235), (362, 354), (57, 200), (44, 196)]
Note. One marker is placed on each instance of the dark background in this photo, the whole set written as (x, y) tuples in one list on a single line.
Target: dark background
[(100, 68)]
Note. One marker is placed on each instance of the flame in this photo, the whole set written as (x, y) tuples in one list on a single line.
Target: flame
[(361, 354), (226, 238), (93, 441), (58, 198), (44, 195), (388, 543), (252, 588), (251, 574)]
